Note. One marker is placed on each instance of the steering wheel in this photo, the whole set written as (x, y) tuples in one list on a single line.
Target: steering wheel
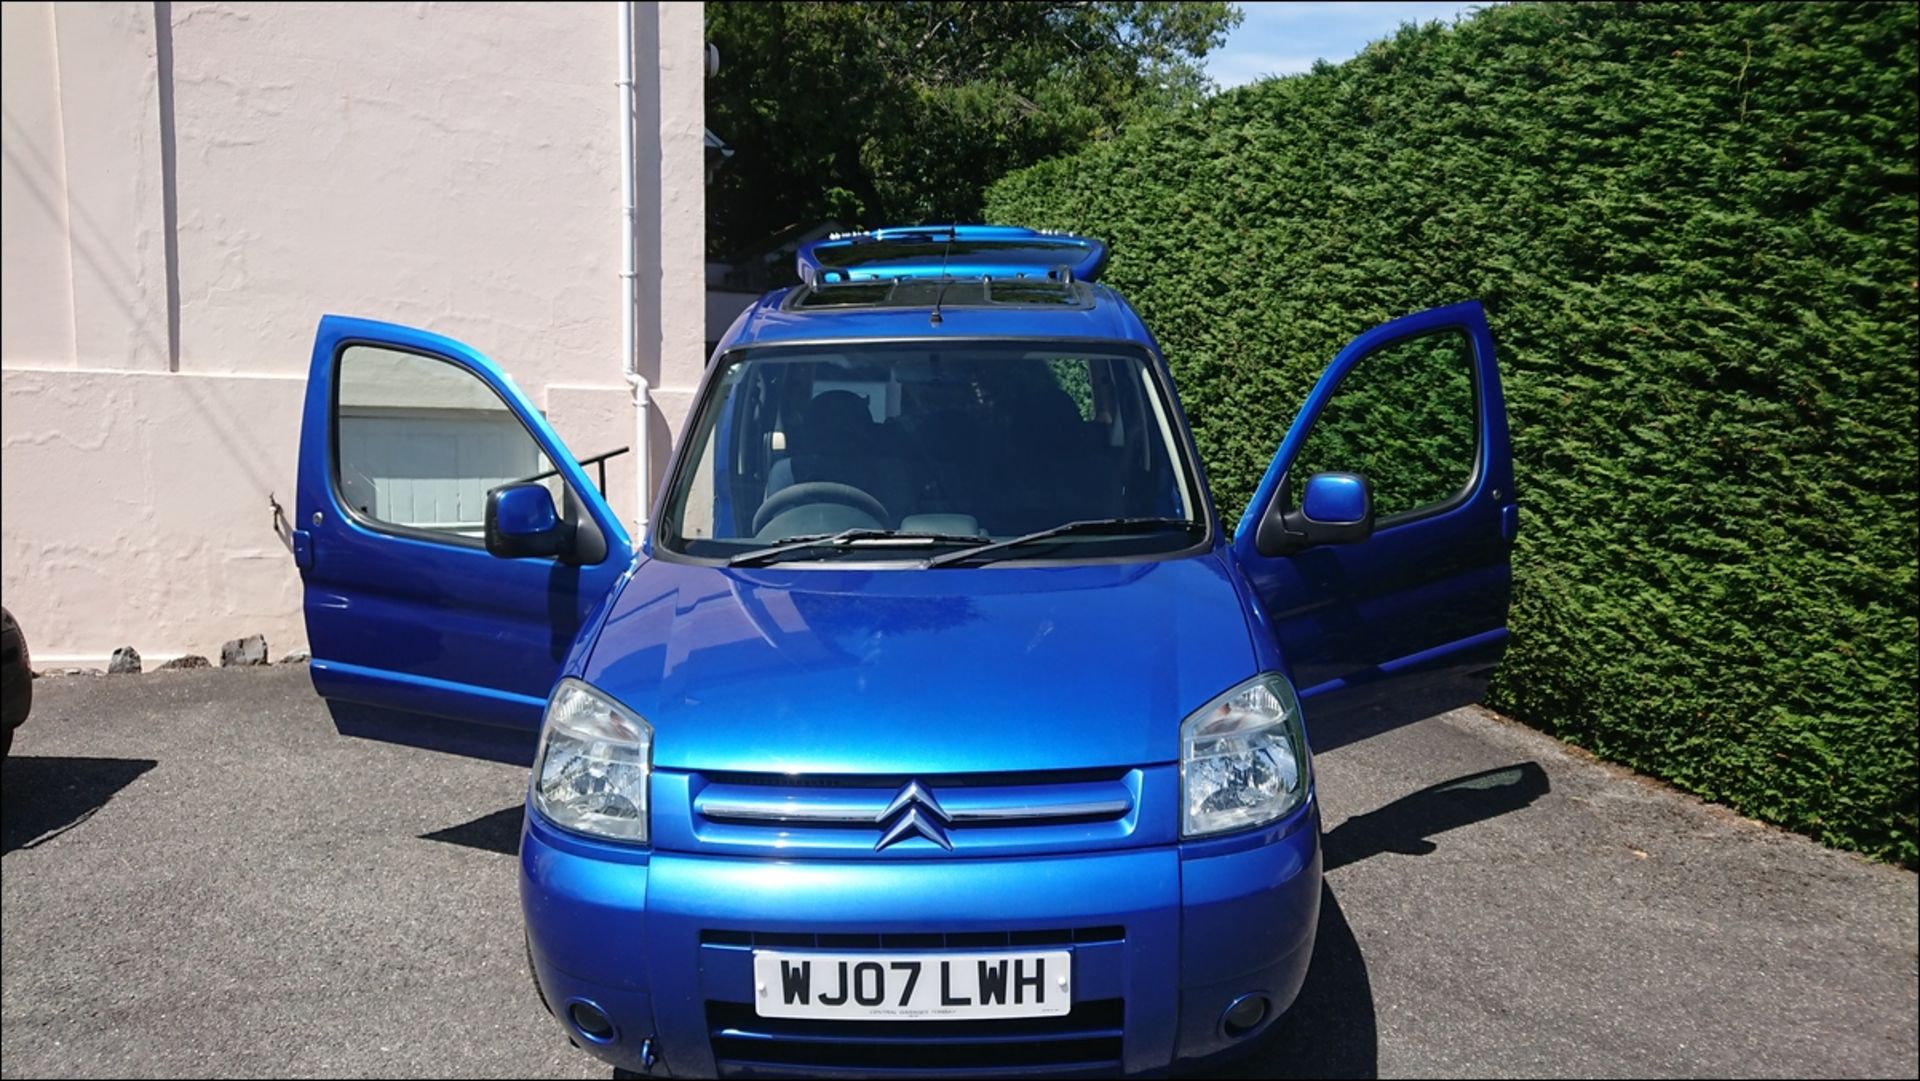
[(817, 491)]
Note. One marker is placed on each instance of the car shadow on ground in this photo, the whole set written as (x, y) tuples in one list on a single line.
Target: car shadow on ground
[(1405, 826), (44, 797), (496, 832), (1331, 1030)]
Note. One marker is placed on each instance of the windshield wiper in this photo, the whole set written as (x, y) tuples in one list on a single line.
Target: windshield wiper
[(843, 539), (1082, 528)]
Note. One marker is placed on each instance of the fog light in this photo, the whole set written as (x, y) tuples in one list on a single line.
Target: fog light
[(1244, 1015), (592, 1022)]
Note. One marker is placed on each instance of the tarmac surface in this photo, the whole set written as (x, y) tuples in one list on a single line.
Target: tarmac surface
[(200, 878)]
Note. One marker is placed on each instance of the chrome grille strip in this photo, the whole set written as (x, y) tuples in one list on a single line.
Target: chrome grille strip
[(770, 805)]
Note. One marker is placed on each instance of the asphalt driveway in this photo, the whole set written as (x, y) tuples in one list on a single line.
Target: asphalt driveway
[(200, 878)]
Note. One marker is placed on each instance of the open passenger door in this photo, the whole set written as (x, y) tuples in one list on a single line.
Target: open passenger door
[(1378, 540), (419, 634)]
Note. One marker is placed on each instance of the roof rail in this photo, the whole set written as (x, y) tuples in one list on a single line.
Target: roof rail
[(951, 251)]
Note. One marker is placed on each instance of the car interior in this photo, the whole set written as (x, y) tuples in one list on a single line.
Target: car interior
[(995, 449)]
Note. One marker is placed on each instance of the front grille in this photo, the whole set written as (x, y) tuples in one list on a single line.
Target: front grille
[(843, 817), (1086, 1042)]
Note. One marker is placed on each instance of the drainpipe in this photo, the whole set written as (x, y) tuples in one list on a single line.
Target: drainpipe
[(630, 275)]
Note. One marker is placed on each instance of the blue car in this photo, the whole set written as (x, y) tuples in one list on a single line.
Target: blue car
[(937, 724)]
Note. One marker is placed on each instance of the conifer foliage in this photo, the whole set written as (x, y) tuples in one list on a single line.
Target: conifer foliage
[(1694, 229)]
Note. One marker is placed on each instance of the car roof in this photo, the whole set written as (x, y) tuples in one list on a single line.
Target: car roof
[(773, 319)]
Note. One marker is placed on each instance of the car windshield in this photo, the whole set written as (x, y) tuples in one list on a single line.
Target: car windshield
[(907, 450)]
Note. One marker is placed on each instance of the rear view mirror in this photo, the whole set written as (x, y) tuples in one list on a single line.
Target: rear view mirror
[(1336, 508), (521, 521)]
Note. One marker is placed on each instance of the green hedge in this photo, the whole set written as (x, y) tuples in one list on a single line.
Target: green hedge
[(1694, 228)]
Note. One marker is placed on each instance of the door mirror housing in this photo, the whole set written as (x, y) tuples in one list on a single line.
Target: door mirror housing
[(1335, 508), (522, 521)]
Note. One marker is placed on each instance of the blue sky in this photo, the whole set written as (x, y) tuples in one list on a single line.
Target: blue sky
[(1284, 38)]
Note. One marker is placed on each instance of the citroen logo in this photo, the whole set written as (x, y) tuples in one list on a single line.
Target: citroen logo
[(914, 811)]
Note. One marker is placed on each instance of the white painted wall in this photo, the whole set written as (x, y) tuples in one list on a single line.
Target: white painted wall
[(188, 187), (723, 307)]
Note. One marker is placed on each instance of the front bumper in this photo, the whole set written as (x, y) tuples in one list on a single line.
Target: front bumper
[(1164, 940)]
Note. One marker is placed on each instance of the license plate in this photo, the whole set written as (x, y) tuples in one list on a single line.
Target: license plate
[(912, 987)]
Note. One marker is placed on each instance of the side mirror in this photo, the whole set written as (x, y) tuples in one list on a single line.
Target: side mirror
[(1336, 508), (521, 521)]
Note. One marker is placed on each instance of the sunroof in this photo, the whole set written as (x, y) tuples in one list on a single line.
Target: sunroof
[(921, 293), (851, 295), (1035, 292)]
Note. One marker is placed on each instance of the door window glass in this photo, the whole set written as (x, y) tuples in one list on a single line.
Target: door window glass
[(420, 443), (1405, 416)]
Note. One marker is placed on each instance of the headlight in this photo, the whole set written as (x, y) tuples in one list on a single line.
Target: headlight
[(595, 758), (1243, 759)]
